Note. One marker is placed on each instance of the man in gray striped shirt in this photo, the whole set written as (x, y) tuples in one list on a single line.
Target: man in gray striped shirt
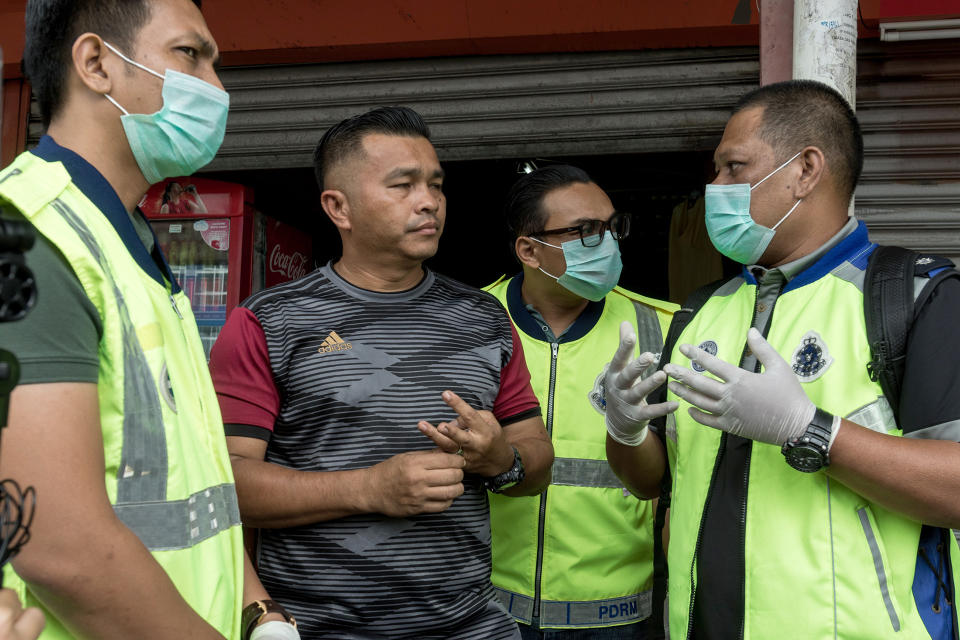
[(370, 406)]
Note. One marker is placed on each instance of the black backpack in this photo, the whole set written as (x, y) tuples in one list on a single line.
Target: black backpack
[(890, 305)]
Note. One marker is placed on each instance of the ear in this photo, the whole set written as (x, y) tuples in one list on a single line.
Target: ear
[(524, 248), (813, 166), (335, 205), (87, 55)]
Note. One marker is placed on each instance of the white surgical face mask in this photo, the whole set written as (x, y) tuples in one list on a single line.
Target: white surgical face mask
[(732, 230), (592, 272), (185, 134)]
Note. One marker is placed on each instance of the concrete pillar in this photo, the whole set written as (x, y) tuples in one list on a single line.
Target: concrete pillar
[(825, 44), (776, 41)]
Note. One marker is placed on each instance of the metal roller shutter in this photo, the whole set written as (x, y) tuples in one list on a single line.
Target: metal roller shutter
[(492, 106), (908, 100), (908, 103), (495, 106)]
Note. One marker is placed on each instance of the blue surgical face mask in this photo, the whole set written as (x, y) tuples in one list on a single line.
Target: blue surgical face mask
[(592, 272), (732, 230), (185, 134)]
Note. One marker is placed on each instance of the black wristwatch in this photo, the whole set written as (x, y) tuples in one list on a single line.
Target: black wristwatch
[(254, 612), (811, 451), (509, 478)]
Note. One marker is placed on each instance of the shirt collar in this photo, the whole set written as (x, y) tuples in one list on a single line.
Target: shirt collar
[(96, 188), (531, 325), (370, 295), (842, 246)]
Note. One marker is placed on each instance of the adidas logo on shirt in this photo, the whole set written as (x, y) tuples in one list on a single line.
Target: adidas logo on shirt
[(334, 343)]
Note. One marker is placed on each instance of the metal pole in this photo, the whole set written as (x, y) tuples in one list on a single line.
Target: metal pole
[(825, 44)]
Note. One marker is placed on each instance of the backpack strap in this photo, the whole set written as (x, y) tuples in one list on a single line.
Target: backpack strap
[(888, 310), (681, 318), (890, 305)]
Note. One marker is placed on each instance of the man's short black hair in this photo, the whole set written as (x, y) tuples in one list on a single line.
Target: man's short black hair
[(52, 26), (524, 208), (346, 137), (800, 113)]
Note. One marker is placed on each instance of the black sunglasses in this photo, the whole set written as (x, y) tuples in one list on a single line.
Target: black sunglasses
[(592, 231)]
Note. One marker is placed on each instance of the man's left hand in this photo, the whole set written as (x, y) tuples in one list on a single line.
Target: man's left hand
[(768, 407), (476, 435)]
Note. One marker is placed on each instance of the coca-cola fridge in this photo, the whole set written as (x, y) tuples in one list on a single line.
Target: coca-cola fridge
[(220, 248)]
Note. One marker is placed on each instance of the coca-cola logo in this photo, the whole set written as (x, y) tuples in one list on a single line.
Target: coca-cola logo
[(292, 265)]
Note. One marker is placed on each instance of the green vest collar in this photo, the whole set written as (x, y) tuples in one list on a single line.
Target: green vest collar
[(855, 249), (525, 321), (96, 188)]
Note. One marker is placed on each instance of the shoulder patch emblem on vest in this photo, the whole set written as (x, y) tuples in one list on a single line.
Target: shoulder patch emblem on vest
[(598, 395), (710, 347), (812, 358), (166, 388)]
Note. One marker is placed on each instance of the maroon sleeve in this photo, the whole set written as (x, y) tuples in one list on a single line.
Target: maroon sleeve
[(516, 400), (240, 368)]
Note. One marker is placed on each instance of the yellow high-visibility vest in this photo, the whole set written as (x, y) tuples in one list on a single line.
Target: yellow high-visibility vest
[(581, 553), (167, 471)]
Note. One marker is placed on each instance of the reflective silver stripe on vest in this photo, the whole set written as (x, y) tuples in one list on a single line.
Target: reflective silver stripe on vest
[(833, 558), (142, 476), (10, 174), (578, 613), (876, 416), (180, 524), (849, 272), (729, 287), (649, 335), (878, 565), (580, 472), (856, 276), (949, 431), (518, 606)]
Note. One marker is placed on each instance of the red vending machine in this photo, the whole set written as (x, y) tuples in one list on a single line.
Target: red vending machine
[(220, 248)]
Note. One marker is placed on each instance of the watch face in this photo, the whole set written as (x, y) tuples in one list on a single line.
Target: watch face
[(805, 457)]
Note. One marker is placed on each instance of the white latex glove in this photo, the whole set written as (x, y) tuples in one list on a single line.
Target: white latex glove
[(275, 630), (767, 407), (625, 392)]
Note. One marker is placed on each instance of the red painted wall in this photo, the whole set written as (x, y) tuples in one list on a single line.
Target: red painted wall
[(265, 31), (302, 31), (900, 10), (16, 105), (305, 31)]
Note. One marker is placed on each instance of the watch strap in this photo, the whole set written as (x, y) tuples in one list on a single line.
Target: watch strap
[(509, 478), (820, 428), (253, 613)]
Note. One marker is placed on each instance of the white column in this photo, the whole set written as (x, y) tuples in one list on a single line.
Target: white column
[(825, 44)]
